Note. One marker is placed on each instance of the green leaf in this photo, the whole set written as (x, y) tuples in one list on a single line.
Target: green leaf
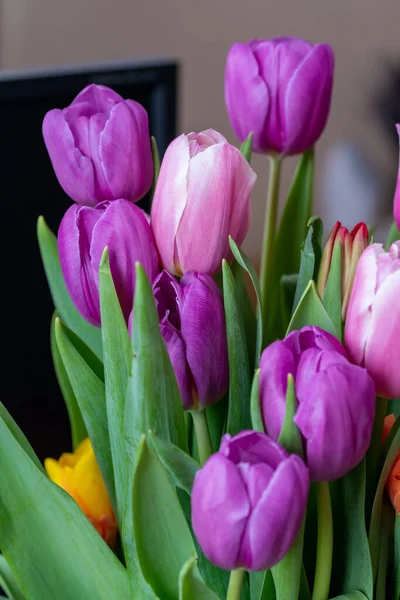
[(217, 416), (394, 236), (311, 311), (156, 163), (247, 147), (152, 403), (248, 266), (190, 586), (117, 358), (49, 544), (255, 406), (246, 309), (78, 428), (396, 562), (239, 368), (351, 596), (310, 258), (7, 581), (90, 394), (389, 440), (180, 466), (163, 540), (332, 297), (385, 553), (376, 517), (291, 233), (290, 437), (262, 586), (288, 291), (19, 437), (351, 558), (61, 298)]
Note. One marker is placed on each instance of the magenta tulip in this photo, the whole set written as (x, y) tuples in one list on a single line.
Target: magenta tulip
[(202, 197), (248, 502), (280, 90), (84, 233), (336, 400), (372, 330), (100, 147), (192, 324)]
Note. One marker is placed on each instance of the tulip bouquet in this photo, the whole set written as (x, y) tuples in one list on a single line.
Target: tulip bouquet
[(233, 437)]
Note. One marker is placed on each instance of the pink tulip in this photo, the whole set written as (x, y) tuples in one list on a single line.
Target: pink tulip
[(202, 197), (372, 331), (396, 206)]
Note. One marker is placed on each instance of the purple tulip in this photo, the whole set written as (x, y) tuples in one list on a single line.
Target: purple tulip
[(372, 330), (192, 324), (100, 147), (85, 232), (336, 400), (280, 90), (248, 502), (202, 197)]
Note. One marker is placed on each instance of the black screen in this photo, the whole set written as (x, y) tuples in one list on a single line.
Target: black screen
[(29, 188)]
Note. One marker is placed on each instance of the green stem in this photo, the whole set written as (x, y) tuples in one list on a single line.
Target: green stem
[(268, 249), (323, 566), (235, 585), (374, 453), (202, 434)]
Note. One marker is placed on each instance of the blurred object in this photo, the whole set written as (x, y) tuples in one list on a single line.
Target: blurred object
[(386, 103), (29, 189), (353, 190)]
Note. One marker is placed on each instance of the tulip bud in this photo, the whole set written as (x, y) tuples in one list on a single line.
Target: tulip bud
[(84, 233), (336, 400), (248, 502), (352, 245), (371, 331), (192, 324), (280, 90), (202, 197), (79, 475), (100, 147)]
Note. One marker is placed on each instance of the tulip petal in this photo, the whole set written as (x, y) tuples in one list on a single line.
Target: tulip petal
[(276, 520), (246, 95), (99, 98), (74, 171), (220, 508), (219, 184), (204, 334), (307, 100), (125, 151), (358, 320), (170, 200), (383, 341), (177, 354), (252, 447)]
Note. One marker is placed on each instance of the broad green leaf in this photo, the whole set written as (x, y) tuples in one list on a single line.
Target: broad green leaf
[(217, 416), (351, 596), (248, 266), (61, 298), (290, 437), (156, 163), (288, 288), (190, 585), (311, 311), (239, 368), (163, 540), (385, 552), (351, 557), (7, 581), (50, 546), (291, 234), (332, 296), (117, 358), (255, 406), (247, 147), (310, 258), (19, 437), (78, 428), (152, 403), (180, 466), (246, 310), (262, 586), (394, 236), (90, 394), (396, 561), (376, 517)]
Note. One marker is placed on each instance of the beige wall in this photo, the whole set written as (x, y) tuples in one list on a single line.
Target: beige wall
[(362, 32)]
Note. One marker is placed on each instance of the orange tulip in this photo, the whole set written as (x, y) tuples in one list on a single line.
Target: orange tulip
[(78, 474)]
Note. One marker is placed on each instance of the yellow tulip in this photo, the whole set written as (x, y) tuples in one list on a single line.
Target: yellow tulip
[(78, 474)]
